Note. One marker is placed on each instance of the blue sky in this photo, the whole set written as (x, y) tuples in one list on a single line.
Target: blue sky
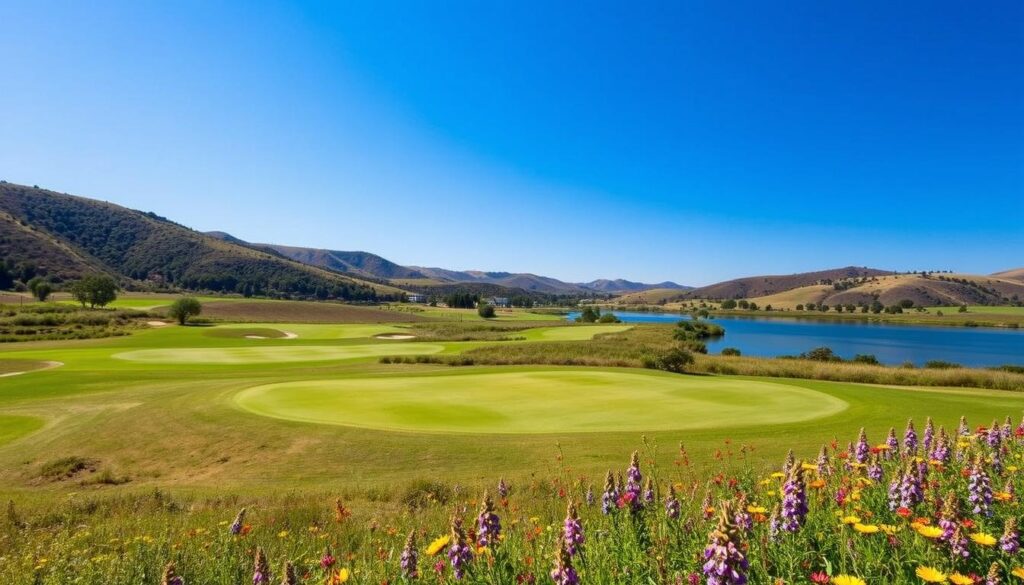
[(691, 141)]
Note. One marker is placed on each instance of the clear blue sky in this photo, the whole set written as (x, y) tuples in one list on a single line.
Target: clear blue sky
[(692, 141)]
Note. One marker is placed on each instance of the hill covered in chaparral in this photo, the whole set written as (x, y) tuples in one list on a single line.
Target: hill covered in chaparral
[(64, 237)]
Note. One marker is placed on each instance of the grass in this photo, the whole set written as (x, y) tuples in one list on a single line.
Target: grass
[(14, 426), (535, 400)]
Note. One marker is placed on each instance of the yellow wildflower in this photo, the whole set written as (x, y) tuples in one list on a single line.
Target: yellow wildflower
[(438, 544), (959, 579), (930, 574), (983, 539), (847, 580), (865, 528)]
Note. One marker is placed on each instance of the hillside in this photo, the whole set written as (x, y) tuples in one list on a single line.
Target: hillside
[(931, 290), (759, 286), (620, 286), (654, 296), (67, 235), (1016, 274), (362, 264)]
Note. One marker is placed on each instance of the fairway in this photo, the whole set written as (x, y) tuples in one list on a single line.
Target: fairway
[(275, 354), (572, 332), (539, 401)]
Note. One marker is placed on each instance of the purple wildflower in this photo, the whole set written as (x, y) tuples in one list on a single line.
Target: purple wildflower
[(910, 438), (171, 576), (948, 516), (459, 553), (824, 467), (992, 436), (260, 568), (963, 429), (1007, 430), (488, 525), (1009, 542), (649, 491), (775, 524), (958, 544), (980, 489), (863, 448), (503, 489), (993, 575), (672, 505), (590, 495), (893, 444), (940, 452), (236, 526), (743, 519), (929, 435), (610, 495), (794, 500), (410, 557), (564, 573), (724, 561), (875, 470), (634, 483), (572, 530)]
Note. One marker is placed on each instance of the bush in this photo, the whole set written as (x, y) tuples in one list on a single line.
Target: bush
[(731, 351), (868, 358), (940, 365), (674, 360), (821, 354), (609, 318), (184, 308)]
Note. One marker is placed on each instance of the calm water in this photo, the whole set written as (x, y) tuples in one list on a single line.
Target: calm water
[(891, 344)]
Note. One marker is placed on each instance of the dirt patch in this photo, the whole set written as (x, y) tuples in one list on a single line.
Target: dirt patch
[(395, 336), (19, 367), (157, 323)]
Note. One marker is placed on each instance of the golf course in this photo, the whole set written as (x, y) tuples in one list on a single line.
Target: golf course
[(225, 403)]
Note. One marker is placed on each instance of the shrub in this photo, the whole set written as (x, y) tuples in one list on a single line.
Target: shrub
[(184, 308), (674, 360), (865, 359), (731, 351), (940, 365)]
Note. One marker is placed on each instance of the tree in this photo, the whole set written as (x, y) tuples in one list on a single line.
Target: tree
[(486, 310), (674, 360), (799, 307), (589, 315), (184, 308), (95, 290), (42, 291), (728, 304), (6, 278)]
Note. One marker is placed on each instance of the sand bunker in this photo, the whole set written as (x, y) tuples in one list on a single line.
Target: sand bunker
[(157, 323), (395, 336)]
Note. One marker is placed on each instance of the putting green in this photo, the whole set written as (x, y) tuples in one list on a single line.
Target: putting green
[(572, 332), (539, 401), (277, 353)]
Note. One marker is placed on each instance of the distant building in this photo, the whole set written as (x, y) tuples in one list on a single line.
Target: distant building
[(498, 301), (417, 298)]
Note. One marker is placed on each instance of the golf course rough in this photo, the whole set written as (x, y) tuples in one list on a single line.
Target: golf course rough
[(277, 353), (539, 401)]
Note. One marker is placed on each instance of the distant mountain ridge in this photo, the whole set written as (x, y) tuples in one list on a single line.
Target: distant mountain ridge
[(759, 286)]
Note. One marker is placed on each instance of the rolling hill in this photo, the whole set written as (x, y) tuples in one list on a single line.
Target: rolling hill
[(758, 286), (931, 290), (620, 286), (1015, 274), (66, 236)]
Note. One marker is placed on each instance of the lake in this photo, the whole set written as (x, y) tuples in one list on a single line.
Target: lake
[(891, 344)]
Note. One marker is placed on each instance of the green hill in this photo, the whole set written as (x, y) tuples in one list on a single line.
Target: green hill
[(66, 236)]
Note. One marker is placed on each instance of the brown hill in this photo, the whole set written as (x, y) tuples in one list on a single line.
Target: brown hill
[(759, 286), (1015, 274)]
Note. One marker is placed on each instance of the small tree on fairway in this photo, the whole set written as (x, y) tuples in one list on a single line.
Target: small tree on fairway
[(96, 290), (184, 308)]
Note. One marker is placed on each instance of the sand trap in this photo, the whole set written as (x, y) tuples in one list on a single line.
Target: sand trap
[(395, 336), (255, 337), (46, 366), (157, 323), (290, 335)]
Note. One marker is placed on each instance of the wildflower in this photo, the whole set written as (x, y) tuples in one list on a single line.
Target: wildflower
[(910, 438), (824, 467), (865, 528), (572, 530), (1009, 542), (963, 429), (959, 579), (820, 578), (410, 557), (958, 544), (948, 515), (930, 575), (590, 495), (610, 495), (775, 523), (288, 575), (706, 507), (794, 500), (940, 452), (649, 491), (863, 448), (980, 489), (438, 544), (847, 580), (788, 463), (983, 539), (340, 576), (327, 561), (724, 561), (743, 518), (564, 573), (171, 577), (459, 552), (875, 469), (672, 505), (261, 569), (340, 511), (503, 488), (634, 482), (1016, 572), (236, 526), (992, 437), (488, 525), (931, 532)]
